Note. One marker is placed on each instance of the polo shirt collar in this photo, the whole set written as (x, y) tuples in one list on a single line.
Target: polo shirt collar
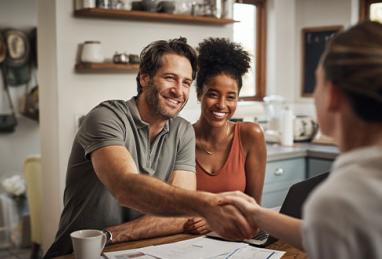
[(132, 104)]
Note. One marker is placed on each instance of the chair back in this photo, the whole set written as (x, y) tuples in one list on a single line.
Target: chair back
[(33, 178)]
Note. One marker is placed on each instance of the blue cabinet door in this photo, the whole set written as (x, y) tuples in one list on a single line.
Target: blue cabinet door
[(280, 175)]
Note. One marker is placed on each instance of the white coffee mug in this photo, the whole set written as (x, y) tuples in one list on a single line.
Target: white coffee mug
[(88, 243)]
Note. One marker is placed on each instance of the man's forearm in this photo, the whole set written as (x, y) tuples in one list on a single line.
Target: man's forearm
[(147, 227), (116, 169), (151, 195)]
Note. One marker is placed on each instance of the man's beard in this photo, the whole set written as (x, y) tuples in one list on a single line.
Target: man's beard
[(152, 99)]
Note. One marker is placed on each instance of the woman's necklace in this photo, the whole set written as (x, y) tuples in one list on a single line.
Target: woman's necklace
[(208, 152)]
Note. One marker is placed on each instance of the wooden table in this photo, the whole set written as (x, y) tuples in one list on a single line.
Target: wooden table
[(291, 252)]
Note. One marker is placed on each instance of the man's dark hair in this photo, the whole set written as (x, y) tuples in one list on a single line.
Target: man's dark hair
[(151, 56), (220, 56)]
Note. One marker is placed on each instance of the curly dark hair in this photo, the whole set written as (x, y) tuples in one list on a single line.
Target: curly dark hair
[(221, 56), (151, 56)]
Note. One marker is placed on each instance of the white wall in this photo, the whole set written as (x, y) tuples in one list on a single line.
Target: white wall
[(313, 13), (15, 147), (286, 19)]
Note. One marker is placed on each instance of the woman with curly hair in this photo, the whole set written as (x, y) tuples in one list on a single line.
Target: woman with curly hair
[(229, 156)]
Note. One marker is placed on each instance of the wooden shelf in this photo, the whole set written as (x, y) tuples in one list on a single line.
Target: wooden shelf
[(106, 68), (150, 16)]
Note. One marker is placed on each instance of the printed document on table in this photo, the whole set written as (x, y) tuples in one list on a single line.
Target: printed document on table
[(198, 248), (251, 252), (128, 254)]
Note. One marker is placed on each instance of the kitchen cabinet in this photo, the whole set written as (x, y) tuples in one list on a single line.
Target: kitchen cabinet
[(279, 176), (316, 166)]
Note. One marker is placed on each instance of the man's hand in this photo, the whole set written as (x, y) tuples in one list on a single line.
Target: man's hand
[(223, 218), (244, 203), (276, 224), (196, 226)]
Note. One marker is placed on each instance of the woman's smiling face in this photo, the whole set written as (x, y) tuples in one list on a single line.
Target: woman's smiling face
[(219, 99)]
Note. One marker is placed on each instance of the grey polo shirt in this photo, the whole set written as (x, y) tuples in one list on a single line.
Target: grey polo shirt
[(87, 202)]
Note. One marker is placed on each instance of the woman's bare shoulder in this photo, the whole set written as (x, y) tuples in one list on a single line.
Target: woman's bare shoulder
[(251, 135), (251, 130)]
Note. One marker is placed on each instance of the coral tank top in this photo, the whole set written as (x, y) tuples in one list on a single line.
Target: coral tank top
[(231, 177)]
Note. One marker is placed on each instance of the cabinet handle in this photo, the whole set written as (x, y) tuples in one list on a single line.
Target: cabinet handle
[(279, 171)]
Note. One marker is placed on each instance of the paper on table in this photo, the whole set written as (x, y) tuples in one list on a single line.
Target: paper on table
[(200, 247), (256, 253), (250, 252), (126, 254)]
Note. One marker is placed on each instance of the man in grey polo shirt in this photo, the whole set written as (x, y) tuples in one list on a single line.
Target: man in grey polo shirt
[(120, 145)]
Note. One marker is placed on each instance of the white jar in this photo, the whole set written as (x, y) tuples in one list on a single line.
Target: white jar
[(88, 3), (227, 9), (92, 52)]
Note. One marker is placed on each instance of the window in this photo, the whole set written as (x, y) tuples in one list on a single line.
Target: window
[(251, 33), (376, 12), (370, 10)]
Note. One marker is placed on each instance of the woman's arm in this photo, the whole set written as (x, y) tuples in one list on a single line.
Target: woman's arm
[(252, 139)]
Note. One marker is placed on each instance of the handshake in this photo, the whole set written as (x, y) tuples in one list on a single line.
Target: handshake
[(230, 214)]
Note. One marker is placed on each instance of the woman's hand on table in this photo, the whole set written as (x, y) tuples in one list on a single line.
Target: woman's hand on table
[(196, 226)]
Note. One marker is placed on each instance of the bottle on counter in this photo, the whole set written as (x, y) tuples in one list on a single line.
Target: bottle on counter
[(286, 127)]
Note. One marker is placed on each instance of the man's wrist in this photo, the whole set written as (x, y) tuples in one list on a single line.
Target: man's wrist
[(205, 201)]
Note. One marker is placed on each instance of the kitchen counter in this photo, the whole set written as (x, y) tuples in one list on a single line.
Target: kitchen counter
[(278, 152)]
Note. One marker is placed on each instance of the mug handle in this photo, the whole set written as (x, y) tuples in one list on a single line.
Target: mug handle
[(104, 240)]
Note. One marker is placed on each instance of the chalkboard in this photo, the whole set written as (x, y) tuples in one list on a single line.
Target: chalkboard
[(314, 41)]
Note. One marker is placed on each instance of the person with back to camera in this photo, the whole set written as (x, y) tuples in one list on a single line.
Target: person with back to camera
[(122, 144), (342, 217), (229, 156)]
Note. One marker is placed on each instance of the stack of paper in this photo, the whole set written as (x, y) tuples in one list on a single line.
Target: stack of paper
[(198, 248)]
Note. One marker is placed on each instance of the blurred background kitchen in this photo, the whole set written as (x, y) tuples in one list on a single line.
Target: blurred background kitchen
[(87, 52)]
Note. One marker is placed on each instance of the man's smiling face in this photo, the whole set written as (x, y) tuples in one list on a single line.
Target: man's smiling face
[(167, 91)]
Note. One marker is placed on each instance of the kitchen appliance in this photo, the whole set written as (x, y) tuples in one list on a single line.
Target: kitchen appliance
[(304, 128), (273, 106)]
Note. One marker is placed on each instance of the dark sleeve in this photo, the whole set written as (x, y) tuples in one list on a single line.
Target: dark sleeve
[(185, 158), (101, 127)]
